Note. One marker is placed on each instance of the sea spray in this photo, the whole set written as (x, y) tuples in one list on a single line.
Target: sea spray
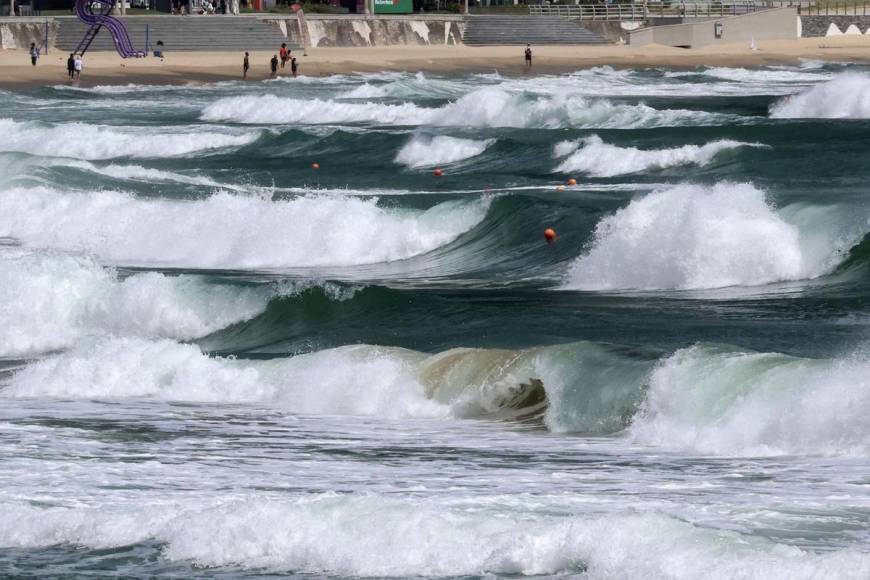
[(847, 96)]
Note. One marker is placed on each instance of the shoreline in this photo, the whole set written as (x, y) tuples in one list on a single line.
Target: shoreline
[(107, 68)]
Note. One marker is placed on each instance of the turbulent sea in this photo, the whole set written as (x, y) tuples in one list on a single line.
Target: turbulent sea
[(217, 361)]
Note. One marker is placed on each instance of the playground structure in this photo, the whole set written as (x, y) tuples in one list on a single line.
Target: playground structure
[(97, 14)]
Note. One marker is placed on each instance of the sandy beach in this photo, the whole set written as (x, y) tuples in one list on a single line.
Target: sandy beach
[(187, 67)]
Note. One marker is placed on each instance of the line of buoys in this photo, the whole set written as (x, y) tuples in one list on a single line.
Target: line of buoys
[(437, 172), (550, 235)]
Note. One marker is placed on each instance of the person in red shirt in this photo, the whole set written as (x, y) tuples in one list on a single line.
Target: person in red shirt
[(284, 54)]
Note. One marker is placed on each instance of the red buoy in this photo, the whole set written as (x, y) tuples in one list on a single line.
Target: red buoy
[(437, 172), (572, 181), (315, 166), (550, 235)]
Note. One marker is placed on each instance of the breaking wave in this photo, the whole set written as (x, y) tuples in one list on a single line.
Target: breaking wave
[(705, 399), (424, 151), (719, 401), (84, 141), (596, 158), (697, 237), (50, 301), (485, 107), (847, 96), (380, 536), (232, 231)]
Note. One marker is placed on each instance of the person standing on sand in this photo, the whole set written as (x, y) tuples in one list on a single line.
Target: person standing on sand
[(71, 66), (246, 66), (294, 68), (528, 56), (78, 65), (274, 64), (34, 53), (284, 54)]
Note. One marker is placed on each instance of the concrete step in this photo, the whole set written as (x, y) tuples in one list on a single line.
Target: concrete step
[(518, 30), (184, 33)]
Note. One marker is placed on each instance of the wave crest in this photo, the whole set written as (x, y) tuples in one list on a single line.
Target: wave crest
[(847, 96), (698, 237), (596, 158)]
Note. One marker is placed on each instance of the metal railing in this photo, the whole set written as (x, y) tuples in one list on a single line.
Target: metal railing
[(665, 9), (646, 10)]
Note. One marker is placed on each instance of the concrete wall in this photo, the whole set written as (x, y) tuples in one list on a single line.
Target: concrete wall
[(616, 32), (20, 32), (776, 24), (818, 26), (325, 30)]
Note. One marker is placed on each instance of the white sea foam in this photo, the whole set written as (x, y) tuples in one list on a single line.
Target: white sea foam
[(345, 381), (734, 403), (485, 107), (375, 536), (230, 231), (596, 158), (352, 380), (693, 237), (768, 76), (85, 141), (422, 151), (50, 301), (847, 96)]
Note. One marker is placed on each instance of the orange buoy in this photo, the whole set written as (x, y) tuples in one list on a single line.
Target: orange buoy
[(550, 235), (315, 166), (437, 172), (572, 181)]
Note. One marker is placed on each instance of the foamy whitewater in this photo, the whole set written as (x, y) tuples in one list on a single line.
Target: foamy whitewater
[(256, 335)]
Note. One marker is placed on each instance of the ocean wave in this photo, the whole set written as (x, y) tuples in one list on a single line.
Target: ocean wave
[(706, 399), (697, 237), (768, 75), (50, 301), (406, 86), (378, 536), (423, 151), (847, 96), (86, 141), (596, 158), (485, 107), (232, 231), (726, 402)]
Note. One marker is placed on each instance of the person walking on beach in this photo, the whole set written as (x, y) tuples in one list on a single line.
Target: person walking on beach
[(294, 68), (284, 53), (528, 56), (246, 66), (274, 65), (78, 65), (34, 53), (71, 66)]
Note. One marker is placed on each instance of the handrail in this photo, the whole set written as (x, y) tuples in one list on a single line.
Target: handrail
[(700, 9)]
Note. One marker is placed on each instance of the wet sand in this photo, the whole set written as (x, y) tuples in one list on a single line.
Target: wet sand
[(197, 67)]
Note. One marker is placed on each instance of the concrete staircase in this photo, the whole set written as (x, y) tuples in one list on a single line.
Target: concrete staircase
[(536, 30), (187, 33)]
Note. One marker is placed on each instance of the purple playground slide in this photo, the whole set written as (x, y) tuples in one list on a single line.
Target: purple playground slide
[(97, 14)]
